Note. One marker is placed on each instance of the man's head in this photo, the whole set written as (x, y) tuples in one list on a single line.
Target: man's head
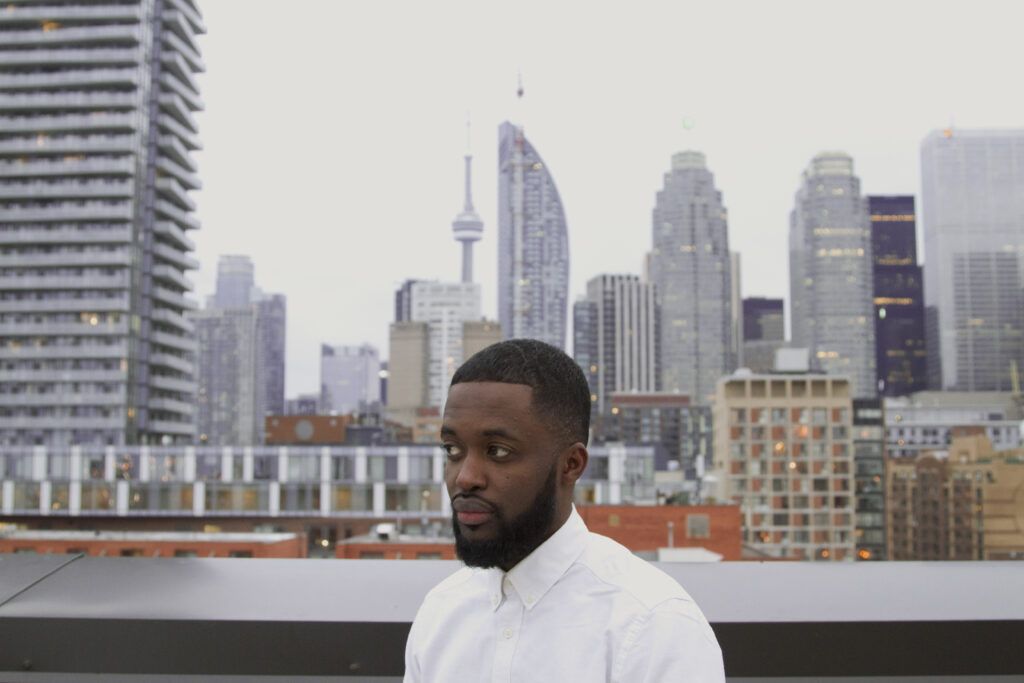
[(515, 432)]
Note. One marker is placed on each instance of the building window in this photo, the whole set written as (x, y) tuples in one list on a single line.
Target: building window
[(698, 526)]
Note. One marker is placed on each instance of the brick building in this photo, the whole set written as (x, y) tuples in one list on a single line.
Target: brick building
[(645, 529), (152, 543)]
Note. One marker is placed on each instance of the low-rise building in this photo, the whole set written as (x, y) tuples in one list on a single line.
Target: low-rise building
[(924, 421), (152, 543)]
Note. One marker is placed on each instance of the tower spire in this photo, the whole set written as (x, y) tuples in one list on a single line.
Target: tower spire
[(467, 226)]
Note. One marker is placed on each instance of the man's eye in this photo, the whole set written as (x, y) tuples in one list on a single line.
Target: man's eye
[(498, 452), (451, 450)]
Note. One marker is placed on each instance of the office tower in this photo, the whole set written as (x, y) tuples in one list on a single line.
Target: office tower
[(764, 332), (783, 452), (619, 335), (736, 309), (349, 378), (830, 273), (926, 420), (973, 199), (408, 361), (403, 301), (900, 354), (96, 142), (467, 226), (869, 477), (533, 244), (691, 268), (584, 343), (477, 335), (240, 356), (963, 503)]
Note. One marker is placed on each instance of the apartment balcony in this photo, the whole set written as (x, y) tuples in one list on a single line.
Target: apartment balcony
[(75, 36), (171, 275), (183, 218), (168, 427), (43, 282), (63, 80), (41, 235), (61, 423), (171, 406), (118, 304), (171, 83), (67, 167), (171, 189), (169, 125), (63, 398), (92, 351), (175, 106), (67, 258), (172, 147), (79, 329), (182, 174), (92, 144), (21, 14), (20, 102), (70, 123), (98, 189), (174, 299), (174, 234), (188, 9), (66, 214), (173, 43), (166, 360), (43, 376), (101, 57), (178, 342), (191, 619), (174, 319), (172, 384)]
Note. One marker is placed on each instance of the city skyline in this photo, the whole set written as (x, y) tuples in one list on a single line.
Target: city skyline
[(620, 110)]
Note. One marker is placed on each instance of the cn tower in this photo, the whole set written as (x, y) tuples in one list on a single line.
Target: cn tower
[(467, 226)]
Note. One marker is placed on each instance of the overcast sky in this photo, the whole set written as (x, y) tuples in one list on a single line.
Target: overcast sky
[(334, 130)]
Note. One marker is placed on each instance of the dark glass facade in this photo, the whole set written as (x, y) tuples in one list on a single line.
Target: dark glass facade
[(900, 353), (869, 477), (763, 319)]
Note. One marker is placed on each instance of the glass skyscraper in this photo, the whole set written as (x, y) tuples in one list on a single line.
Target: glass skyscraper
[(533, 244), (830, 272), (96, 142), (690, 267), (973, 201), (900, 357)]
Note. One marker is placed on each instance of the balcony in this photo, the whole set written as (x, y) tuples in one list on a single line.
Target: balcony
[(40, 235), (92, 35), (67, 258), (183, 218), (169, 317), (172, 275), (107, 57), (119, 144), (171, 189), (27, 352), (36, 282), (106, 304), (62, 214), (176, 107), (97, 13), (171, 83), (70, 123), (173, 43), (64, 80), (175, 234), (347, 620), (68, 190), (115, 398), (64, 167)]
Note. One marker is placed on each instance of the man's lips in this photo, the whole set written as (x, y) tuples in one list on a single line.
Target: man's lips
[(472, 511)]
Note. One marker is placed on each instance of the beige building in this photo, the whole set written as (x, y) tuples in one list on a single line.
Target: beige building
[(964, 503), (783, 453)]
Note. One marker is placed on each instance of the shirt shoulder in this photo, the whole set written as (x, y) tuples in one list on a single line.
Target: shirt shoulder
[(454, 582), (615, 565)]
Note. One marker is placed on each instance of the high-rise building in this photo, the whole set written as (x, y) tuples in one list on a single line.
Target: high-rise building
[(96, 142), (972, 185), (618, 337), (783, 452), (349, 378), (533, 244), (831, 274), (691, 268), (444, 307), (900, 354), (764, 333), (240, 356), (869, 477)]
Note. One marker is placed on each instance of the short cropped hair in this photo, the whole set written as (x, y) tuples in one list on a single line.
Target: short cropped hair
[(561, 396)]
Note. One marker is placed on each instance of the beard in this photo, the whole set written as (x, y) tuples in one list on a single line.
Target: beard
[(516, 538)]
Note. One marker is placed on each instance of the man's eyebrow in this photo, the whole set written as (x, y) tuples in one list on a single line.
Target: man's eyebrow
[(499, 432), (447, 431)]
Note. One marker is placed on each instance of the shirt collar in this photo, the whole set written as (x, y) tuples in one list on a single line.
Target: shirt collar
[(535, 574)]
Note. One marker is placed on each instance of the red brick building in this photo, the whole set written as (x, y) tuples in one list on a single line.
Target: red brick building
[(153, 543), (646, 528)]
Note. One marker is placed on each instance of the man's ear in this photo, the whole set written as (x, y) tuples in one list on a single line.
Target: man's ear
[(574, 463)]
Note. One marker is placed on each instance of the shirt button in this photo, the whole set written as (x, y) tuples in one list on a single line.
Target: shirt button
[(507, 633)]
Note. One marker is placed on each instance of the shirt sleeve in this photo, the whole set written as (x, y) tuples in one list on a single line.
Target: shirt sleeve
[(672, 643), (412, 666)]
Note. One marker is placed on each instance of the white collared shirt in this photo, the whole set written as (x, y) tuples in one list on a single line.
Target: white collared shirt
[(579, 608)]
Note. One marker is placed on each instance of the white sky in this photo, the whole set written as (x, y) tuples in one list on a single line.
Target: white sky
[(334, 130)]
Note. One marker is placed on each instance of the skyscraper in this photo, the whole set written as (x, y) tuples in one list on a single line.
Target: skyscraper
[(764, 332), (444, 307), (533, 244), (973, 200), (241, 356), (691, 268), (830, 272), (349, 378), (900, 356), (96, 136), (617, 337)]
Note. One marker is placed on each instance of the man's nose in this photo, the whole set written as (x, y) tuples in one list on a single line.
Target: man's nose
[(471, 474)]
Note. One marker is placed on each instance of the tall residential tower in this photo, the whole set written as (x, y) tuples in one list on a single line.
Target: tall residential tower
[(96, 140), (533, 244), (691, 268)]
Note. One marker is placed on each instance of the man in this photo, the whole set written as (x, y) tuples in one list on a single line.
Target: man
[(541, 598)]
